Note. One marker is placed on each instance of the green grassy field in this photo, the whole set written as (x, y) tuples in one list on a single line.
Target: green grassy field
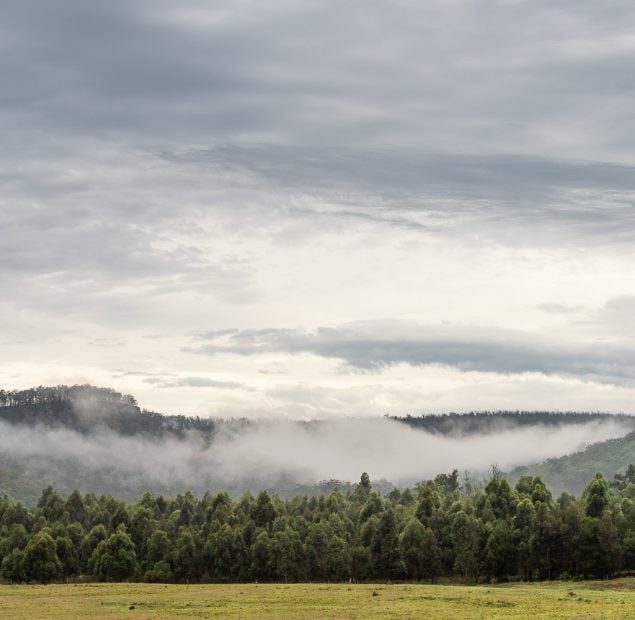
[(607, 599)]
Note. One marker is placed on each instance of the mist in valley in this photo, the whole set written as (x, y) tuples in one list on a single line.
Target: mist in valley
[(267, 454)]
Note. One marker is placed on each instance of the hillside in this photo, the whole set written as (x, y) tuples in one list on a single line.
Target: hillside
[(16, 485), (494, 421), (85, 408), (572, 472), (99, 440)]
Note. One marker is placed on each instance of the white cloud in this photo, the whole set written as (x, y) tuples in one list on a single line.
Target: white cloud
[(283, 165)]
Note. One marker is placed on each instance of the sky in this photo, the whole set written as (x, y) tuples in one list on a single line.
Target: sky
[(303, 209)]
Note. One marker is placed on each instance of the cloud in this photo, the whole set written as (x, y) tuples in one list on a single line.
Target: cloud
[(259, 455), (195, 382), (522, 200), (558, 308), (169, 167), (376, 344), (519, 76)]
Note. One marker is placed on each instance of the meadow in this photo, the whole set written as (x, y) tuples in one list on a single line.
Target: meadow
[(591, 599)]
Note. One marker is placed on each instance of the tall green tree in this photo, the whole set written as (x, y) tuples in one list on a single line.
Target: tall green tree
[(596, 496), (263, 512), (411, 545), (40, 561), (188, 561), (384, 548), (114, 559), (500, 551), (11, 568), (260, 568), (466, 538)]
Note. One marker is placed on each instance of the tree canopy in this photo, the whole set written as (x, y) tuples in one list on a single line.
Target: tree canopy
[(437, 529)]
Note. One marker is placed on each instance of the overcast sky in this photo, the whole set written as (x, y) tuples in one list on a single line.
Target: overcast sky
[(313, 209)]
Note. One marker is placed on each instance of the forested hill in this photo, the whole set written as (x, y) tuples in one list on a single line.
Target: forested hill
[(99, 440), (570, 472), (84, 408), (491, 421)]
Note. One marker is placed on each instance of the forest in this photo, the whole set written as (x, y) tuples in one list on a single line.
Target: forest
[(442, 529), (85, 407), (96, 439)]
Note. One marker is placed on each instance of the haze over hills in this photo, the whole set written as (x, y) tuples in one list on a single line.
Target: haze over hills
[(99, 440), (569, 472)]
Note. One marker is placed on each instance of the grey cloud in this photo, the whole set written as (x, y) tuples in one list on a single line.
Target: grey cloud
[(130, 226), (196, 382), (106, 342), (154, 153), (376, 344), (521, 199), (556, 308), (399, 171), (122, 86), (322, 72), (617, 317), (142, 373)]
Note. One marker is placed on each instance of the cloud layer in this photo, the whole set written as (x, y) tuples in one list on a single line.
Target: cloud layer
[(374, 345), (261, 455), (437, 194)]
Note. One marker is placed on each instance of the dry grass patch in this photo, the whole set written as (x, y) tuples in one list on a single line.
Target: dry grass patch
[(609, 599)]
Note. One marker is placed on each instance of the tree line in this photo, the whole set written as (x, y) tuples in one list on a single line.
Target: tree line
[(67, 406), (489, 421), (54, 405), (438, 529), (47, 395)]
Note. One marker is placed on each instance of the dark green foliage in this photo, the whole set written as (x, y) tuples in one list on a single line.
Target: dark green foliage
[(373, 506), (412, 551), (161, 572), (91, 540), (431, 553), (263, 512), (57, 406), (500, 552), (68, 555), (384, 548), (158, 548), (187, 555), (488, 421), (40, 561), (623, 480), (114, 559), (221, 553), (571, 473), (428, 504), (448, 483), (260, 568), (596, 496), (11, 568), (466, 534), (439, 530)]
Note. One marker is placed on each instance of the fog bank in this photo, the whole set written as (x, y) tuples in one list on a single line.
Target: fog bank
[(260, 455)]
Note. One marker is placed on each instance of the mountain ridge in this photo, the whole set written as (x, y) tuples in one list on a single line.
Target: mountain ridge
[(112, 423)]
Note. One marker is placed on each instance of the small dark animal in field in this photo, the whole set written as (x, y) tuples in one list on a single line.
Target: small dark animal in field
[(375, 593)]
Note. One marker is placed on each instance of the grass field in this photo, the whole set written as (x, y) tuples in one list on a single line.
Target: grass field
[(606, 599)]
